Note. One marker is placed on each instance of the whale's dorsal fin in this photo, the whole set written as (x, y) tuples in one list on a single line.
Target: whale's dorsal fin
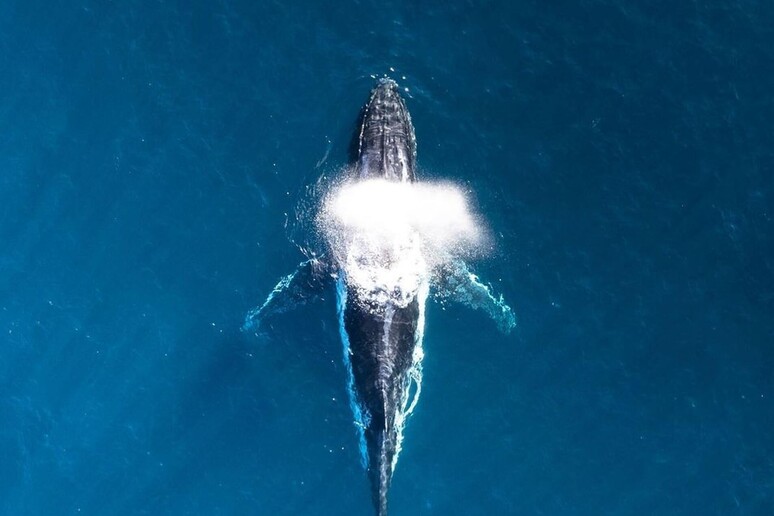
[(305, 284), (458, 283)]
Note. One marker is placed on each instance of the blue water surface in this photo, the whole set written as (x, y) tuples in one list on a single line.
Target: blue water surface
[(152, 153)]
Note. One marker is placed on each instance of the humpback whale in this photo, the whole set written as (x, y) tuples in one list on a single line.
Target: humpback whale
[(381, 293)]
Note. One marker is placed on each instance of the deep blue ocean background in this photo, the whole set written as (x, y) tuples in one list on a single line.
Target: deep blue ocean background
[(151, 155)]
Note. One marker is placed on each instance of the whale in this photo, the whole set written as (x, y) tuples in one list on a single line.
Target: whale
[(381, 329), (383, 340)]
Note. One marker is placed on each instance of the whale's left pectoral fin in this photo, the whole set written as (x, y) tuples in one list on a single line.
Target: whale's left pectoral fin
[(458, 283), (304, 284)]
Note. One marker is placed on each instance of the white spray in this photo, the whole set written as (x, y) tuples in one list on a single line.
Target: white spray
[(389, 238)]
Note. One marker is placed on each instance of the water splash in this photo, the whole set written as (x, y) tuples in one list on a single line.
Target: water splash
[(388, 238)]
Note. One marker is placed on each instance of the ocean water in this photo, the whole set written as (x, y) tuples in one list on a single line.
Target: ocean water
[(152, 153)]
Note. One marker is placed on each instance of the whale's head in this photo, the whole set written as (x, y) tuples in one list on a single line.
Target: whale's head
[(387, 146)]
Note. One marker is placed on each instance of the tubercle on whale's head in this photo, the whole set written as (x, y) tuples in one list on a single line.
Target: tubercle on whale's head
[(386, 143), (387, 82)]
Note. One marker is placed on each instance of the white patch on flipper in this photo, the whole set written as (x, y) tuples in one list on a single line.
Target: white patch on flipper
[(458, 283), (253, 318)]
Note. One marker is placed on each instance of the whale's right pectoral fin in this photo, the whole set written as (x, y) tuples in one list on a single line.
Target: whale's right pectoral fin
[(459, 284), (306, 283)]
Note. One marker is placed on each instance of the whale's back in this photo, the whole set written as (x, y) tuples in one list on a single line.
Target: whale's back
[(387, 146)]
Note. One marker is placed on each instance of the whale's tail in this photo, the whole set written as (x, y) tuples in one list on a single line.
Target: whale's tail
[(387, 146)]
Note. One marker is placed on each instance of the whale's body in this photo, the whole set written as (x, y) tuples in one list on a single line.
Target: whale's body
[(381, 294), (383, 340)]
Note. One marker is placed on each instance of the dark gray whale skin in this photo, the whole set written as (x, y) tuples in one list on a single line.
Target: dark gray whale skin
[(382, 337), (387, 147)]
